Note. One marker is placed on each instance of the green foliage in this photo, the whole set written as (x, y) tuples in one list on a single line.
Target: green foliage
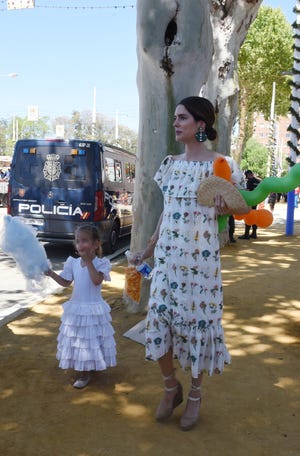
[(24, 128), (78, 126), (33, 129), (255, 157), (266, 53)]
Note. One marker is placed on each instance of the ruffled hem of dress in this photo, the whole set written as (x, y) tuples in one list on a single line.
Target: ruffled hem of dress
[(86, 359), (203, 351), (87, 366)]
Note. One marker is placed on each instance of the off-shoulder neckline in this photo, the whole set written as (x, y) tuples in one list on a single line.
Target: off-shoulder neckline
[(184, 160)]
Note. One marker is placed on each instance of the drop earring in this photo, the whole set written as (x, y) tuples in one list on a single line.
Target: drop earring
[(201, 136)]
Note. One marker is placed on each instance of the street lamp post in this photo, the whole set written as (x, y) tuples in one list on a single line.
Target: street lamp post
[(272, 137), (294, 127)]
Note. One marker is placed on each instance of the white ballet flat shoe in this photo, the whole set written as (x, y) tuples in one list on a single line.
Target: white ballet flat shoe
[(82, 382)]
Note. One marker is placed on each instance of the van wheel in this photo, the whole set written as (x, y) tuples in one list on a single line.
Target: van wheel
[(114, 237)]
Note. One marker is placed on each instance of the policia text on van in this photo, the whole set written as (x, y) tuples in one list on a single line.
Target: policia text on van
[(56, 185)]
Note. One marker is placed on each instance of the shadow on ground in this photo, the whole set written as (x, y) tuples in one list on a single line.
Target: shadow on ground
[(252, 409)]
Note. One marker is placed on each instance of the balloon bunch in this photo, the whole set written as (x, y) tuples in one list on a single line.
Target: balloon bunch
[(273, 184), (260, 217), (220, 183)]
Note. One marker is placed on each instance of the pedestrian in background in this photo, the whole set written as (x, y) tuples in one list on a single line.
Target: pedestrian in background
[(252, 183)]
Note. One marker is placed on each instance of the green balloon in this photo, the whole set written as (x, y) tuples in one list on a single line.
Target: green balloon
[(265, 187), (222, 222), (273, 185)]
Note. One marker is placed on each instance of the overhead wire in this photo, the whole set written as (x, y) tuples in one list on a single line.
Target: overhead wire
[(72, 7)]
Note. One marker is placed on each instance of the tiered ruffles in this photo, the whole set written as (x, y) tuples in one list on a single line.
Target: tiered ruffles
[(86, 336), (85, 340)]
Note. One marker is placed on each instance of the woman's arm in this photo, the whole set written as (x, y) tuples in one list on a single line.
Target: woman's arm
[(139, 257), (222, 208)]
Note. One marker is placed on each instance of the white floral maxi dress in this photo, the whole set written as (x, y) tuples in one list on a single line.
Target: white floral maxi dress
[(186, 299), (86, 336)]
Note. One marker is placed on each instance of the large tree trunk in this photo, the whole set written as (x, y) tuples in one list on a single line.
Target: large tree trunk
[(230, 23), (178, 55)]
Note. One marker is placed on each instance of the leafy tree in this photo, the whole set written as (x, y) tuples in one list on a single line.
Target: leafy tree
[(4, 137), (255, 157), (265, 55), (77, 125), (33, 129), (80, 126)]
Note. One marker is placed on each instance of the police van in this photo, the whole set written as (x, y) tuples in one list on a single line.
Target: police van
[(57, 184)]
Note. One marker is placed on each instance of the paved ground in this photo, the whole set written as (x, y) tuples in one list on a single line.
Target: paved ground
[(14, 294), (14, 297), (250, 410)]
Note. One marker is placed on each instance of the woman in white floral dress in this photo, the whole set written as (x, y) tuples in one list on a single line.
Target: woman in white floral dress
[(186, 301)]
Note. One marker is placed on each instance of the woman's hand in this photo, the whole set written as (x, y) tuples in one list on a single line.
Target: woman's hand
[(221, 206), (137, 258)]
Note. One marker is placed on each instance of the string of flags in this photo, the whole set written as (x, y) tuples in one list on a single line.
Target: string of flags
[(25, 4)]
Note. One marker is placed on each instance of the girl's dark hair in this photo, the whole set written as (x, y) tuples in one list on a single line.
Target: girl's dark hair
[(201, 109), (93, 232)]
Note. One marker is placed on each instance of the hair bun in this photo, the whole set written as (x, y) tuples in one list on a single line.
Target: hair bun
[(211, 133)]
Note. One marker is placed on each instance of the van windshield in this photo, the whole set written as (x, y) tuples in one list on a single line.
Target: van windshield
[(60, 167)]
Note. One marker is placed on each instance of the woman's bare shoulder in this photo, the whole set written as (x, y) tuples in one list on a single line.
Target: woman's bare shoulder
[(218, 155), (178, 157)]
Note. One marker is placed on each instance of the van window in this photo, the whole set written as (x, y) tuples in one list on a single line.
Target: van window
[(75, 168), (43, 168), (130, 172), (56, 185), (113, 170)]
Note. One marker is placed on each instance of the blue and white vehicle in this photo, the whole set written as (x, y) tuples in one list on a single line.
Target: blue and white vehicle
[(57, 184)]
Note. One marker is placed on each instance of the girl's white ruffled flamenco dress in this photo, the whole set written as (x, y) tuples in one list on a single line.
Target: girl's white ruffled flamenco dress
[(86, 336)]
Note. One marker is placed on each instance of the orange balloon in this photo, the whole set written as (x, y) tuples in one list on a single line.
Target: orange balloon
[(239, 216), (222, 168), (250, 218), (264, 218)]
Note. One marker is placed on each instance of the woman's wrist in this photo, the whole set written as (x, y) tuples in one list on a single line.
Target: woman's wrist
[(153, 240)]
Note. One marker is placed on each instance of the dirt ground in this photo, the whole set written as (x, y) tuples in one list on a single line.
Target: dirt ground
[(252, 409)]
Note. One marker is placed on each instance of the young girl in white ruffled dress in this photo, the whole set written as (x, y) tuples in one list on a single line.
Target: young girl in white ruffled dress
[(86, 337)]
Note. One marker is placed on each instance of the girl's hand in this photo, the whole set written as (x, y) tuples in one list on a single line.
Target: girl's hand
[(221, 206), (88, 256)]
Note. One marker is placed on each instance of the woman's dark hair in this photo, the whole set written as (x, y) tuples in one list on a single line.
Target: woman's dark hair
[(93, 232), (201, 109)]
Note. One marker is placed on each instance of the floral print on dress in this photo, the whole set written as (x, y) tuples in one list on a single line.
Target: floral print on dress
[(186, 298)]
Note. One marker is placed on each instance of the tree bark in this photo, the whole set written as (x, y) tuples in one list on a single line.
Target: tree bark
[(230, 23)]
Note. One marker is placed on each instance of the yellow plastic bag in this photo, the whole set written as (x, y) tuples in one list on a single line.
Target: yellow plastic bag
[(133, 284)]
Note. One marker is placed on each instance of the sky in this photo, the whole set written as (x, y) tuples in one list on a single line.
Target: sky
[(62, 54)]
